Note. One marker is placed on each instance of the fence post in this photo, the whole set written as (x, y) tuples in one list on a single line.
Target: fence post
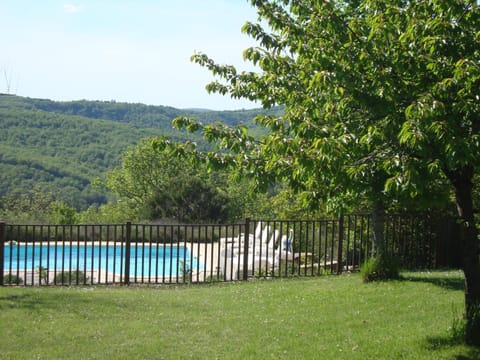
[(2, 251), (340, 244), (245, 249), (128, 240)]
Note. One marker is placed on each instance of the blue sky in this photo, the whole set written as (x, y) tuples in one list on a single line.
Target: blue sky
[(123, 50)]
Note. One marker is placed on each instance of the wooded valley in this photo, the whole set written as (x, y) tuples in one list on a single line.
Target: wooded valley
[(62, 147)]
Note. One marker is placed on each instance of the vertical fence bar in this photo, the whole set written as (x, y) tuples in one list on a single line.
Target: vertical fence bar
[(234, 272), (174, 251), (289, 252), (340, 244), (122, 252), (211, 241), (332, 245), (150, 237), (164, 250), (18, 248), (170, 260), (41, 275), (70, 258), (55, 256), (218, 245), (2, 251), (362, 252), (143, 253), (119, 259), (157, 247), (200, 252), (199, 229), (98, 242), (226, 260), (10, 255), (316, 255), (92, 255), (85, 239), (187, 265), (107, 253), (323, 247), (245, 248), (62, 272), (354, 235), (308, 260), (128, 239), (192, 248), (297, 230), (135, 275), (78, 255)]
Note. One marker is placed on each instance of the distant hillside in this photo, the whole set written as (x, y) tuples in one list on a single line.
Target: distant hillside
[(63, 146), (140, 115)]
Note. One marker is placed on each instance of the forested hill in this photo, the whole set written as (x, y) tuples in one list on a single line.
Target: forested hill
[(62, 147), (140, 115)]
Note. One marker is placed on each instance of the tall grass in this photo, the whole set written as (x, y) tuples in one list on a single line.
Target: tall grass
[(330, 317)]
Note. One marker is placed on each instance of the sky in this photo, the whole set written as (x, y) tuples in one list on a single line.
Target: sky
[(135, 51)]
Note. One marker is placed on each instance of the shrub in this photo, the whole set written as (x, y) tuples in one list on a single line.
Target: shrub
[(70, 277), (12, 279), (380, 268)]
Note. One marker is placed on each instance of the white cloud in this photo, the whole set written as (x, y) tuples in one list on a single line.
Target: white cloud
[(71, 8)]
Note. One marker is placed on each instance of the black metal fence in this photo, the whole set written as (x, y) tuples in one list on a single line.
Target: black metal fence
[(164, 254)]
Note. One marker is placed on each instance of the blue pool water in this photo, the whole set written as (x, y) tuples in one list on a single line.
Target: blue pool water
[(144, 260)]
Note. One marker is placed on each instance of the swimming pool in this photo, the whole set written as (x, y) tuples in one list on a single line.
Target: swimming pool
[(145, 260)]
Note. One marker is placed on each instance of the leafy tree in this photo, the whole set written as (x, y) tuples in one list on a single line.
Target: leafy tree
[(288, 204), (112, 212), (36, 206), (189, 199), (381, 102), (250, 202), (160, 185), (31, 207), (62, 214)]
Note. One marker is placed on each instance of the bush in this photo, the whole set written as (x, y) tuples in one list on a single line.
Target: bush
[(12, 279), (70, 277), (380, 268)]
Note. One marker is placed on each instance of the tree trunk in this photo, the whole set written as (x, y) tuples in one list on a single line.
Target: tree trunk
[(378, 219), (463, 184)]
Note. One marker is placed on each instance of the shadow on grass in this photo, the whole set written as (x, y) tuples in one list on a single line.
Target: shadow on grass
[(449, 283), (441, 342), (11, 301), (42, 300), (26, 301), (455, 337)]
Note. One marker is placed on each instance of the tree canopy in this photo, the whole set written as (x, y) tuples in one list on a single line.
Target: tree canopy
[(381, 100), (157, 185)]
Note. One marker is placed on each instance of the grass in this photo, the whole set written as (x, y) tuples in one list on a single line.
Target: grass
[(330, 317)]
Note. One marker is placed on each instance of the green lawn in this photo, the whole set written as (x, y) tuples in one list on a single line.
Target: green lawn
[(329, 317)]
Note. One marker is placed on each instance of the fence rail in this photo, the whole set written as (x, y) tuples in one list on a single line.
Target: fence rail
[(129, 253)]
